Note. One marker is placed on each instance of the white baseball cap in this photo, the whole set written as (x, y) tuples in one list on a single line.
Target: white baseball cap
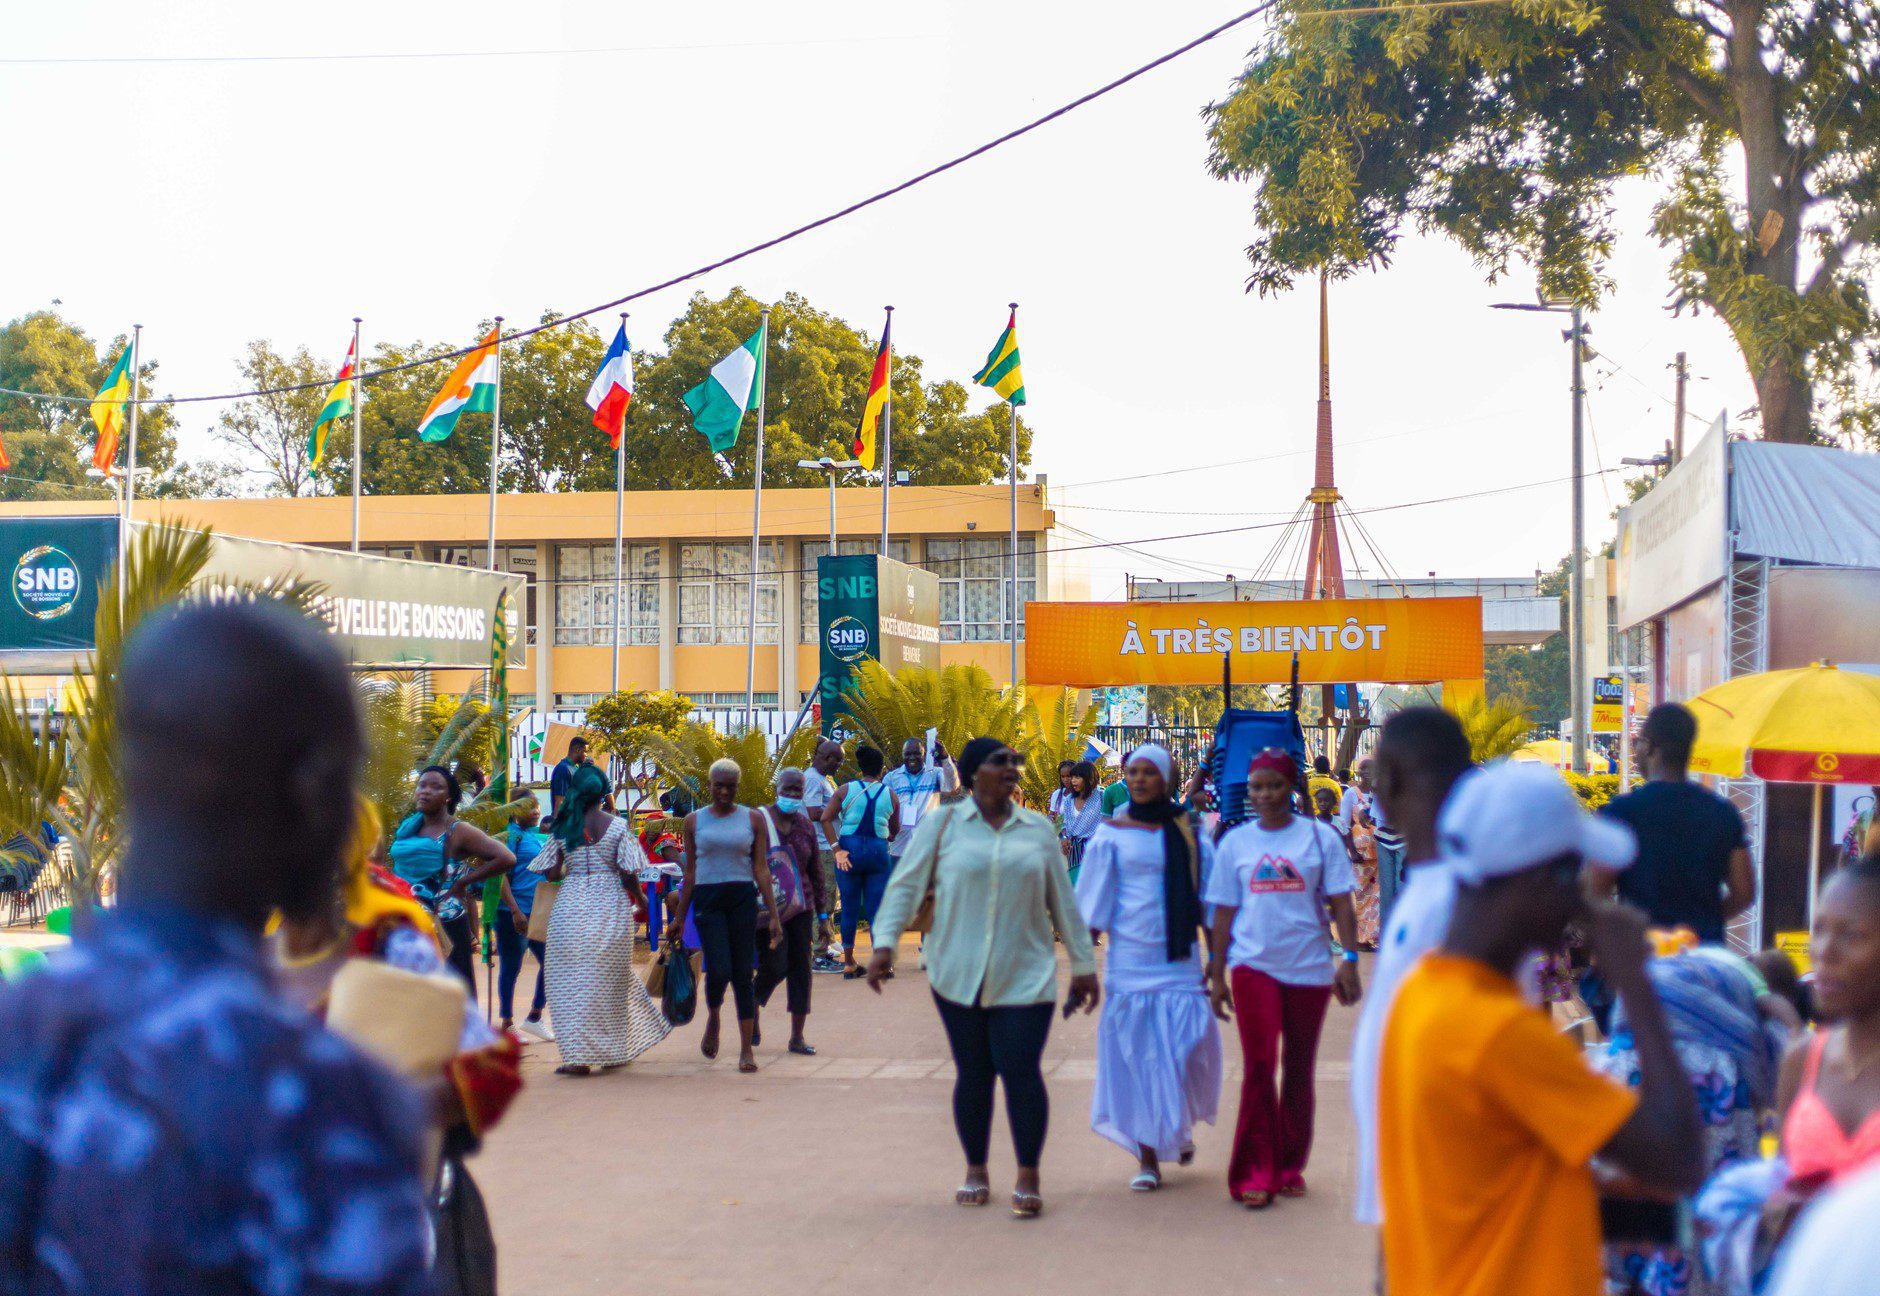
[(1514, 815)]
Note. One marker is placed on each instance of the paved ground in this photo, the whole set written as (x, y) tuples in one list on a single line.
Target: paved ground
[(835, 1174)]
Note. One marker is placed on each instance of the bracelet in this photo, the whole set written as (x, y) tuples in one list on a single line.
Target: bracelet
[(1350, 955)]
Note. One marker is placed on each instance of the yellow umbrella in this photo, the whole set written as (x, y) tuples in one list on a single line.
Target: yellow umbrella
[(1551, 751), (1816, 724)]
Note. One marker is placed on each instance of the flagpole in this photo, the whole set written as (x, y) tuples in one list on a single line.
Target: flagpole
[(496, 436), (1012, 474), (358, 399), (620, 512), (887, 430), (130, 464), (757, 514)]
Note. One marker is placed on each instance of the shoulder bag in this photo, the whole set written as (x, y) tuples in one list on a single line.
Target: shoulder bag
[(923, 916), (784, 875)]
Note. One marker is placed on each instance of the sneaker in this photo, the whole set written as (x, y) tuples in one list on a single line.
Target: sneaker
[(540, 1029), (824, 963)]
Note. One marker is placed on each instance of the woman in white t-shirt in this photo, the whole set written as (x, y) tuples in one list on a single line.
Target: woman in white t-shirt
[(1273, 879)]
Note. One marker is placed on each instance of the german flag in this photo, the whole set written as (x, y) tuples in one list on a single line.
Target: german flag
[(867, 437)]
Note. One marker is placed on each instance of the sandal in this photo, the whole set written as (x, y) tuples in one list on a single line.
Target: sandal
[(972, 1195), (1146, 1181), (1256, 1200), (1294, 1190), (801, 1049), (1188, 1154), (573, 1069), (747, 1066), (854, 973), (1027, 1205), (708, 1044)]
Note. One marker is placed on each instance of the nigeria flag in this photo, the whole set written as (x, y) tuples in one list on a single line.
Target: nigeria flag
[(736, 385)]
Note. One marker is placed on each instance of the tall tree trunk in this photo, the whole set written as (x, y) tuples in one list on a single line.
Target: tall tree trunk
[(1786, 398)]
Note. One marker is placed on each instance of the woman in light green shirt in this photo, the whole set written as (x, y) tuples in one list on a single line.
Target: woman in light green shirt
[(1000, 893)]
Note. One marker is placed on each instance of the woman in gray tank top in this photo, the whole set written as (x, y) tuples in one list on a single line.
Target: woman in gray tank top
[(725, 844)]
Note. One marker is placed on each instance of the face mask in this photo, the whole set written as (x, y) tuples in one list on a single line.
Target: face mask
[(789, 805)]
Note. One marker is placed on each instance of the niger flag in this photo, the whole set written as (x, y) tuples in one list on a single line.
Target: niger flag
[(867, 437)]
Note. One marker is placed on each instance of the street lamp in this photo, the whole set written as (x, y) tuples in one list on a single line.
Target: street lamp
[(1575, 338), (832, 467)]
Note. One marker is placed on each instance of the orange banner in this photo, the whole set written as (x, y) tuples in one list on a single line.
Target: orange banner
[(1338, 641)]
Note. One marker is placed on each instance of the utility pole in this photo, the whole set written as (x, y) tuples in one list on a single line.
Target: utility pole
[(1683, 371)]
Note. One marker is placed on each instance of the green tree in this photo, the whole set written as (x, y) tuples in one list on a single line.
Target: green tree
[(686, 758), (395, 462), (1508, 128), (269, 433), (889, 707), (1200, 705), (1495, 729), (1051, 731), (624, 724), (1535, 677), (50, 441)]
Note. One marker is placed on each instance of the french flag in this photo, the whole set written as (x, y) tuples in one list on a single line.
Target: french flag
[(613, 389)]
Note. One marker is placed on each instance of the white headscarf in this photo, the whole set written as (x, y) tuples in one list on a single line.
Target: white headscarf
[(1157, 755)]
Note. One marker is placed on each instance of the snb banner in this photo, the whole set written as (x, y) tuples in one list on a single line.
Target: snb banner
[(871, 607), (53, 567)]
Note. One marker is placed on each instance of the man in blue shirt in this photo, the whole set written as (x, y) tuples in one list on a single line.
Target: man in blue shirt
[(917, 788), (168, 1124), (561, 778)]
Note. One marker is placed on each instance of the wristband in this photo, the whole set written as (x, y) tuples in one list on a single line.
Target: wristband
[(1350, 955)]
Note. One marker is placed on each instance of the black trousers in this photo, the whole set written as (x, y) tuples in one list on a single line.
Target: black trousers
[(787, 962), (726, 916), (463, 949), (1006, 1043)]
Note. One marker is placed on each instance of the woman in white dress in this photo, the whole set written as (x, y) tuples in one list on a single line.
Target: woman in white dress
[(1159, 1063), (602, 1014)]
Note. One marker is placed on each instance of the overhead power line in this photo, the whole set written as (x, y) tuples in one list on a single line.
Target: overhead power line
[(808, 227), (380, 56)]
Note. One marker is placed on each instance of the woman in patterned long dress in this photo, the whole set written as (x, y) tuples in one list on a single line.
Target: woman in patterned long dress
[(602, 1014), (1355, 816)]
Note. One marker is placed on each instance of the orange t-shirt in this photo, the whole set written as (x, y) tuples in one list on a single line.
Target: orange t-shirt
[(1487, 1118)]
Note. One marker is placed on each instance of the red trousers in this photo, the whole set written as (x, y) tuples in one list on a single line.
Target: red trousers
[(1279, 1026)]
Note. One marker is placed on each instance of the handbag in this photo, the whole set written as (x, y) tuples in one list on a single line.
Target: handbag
[(466, 1245), (923, 916), (784, 876), (678, 999), (540, 907)]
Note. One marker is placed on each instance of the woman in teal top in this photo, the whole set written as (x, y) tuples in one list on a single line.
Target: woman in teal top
[(868, 818), (433, 851)]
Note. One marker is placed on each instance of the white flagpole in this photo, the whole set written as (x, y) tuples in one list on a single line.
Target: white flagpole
[(620, 507), (496, 437), (887, 431), (1012, 609), (130, 467), (358, 399), (757, 514)]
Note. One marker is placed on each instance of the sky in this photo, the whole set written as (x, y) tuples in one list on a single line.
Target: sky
[(219, 201)]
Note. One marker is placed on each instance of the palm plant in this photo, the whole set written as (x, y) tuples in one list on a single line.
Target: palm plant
[(1495, 729), (408, 729), (1051, 731), (64, 772), (686, 758), (887, 708)]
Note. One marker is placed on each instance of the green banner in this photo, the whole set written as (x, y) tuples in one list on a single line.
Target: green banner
[(870, 606), (53, 568)]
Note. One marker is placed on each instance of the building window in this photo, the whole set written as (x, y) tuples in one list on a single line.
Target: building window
[(521, 560), (731, 701), (812, 550), (715, 593), (974, 586), (584, 594)]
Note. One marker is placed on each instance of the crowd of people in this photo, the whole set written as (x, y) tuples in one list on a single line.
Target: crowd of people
[(1503, 1146)]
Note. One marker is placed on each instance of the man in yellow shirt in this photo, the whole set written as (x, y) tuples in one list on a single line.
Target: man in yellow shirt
[(1488, 1118)]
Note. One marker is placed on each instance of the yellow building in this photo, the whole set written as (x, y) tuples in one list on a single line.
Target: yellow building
[(685, 590)]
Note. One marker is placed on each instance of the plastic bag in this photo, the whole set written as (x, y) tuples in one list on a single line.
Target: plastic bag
[(678, 998)]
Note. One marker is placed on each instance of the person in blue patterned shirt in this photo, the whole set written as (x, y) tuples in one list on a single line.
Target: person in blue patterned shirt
[(168, 1124)]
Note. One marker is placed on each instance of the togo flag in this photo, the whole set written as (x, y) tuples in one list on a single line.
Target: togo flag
[(736, 386), (1002, 372), (471, 386)]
